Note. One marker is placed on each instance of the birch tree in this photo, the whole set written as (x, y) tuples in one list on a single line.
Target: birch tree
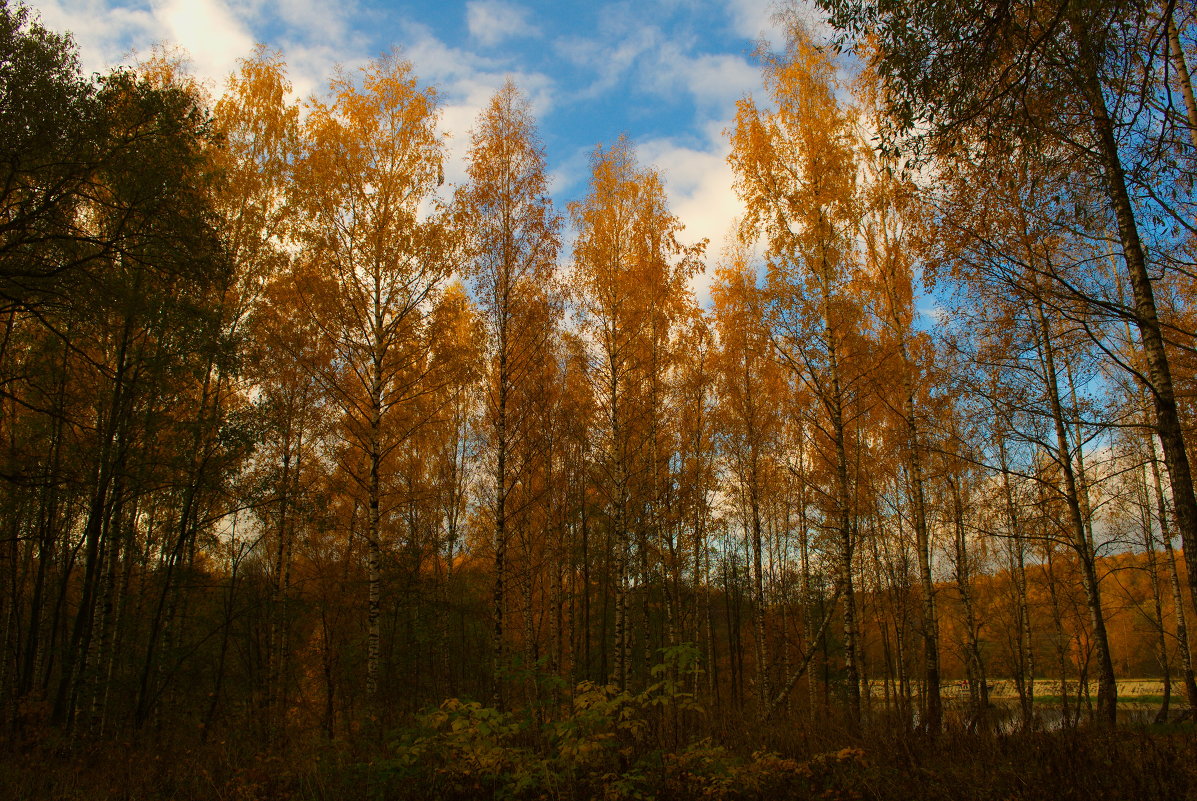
[(373, 261)]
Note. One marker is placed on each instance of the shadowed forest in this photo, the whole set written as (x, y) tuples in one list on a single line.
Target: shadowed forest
[(323, 478)]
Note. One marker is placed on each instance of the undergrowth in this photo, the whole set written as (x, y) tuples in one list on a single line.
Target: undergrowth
[(616, 745)]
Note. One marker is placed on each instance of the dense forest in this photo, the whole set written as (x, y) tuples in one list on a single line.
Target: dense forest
[(321, 477)]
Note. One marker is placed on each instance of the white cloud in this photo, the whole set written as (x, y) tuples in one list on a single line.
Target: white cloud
[(714, 81), (757, 19), (313, 41), (463, 76), (609, 56), (311, 19), (699, 184), (493, 21), (216, 33), (209, 30), (310, 66), (104, 34), (466, 82), (754, 19), (213, 32)]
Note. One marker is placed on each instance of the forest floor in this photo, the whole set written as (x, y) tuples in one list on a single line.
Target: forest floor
[(491, 758)]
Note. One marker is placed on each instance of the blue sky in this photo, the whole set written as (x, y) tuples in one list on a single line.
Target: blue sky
[(665, 72)]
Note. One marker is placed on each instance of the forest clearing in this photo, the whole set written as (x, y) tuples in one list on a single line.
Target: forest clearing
[(325, 476)]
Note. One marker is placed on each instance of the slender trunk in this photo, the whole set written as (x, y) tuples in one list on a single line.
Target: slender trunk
[(845, 545), (619, 675), (1062, 637), (812, 643), (713, 686), (104, 655), (811, 649), (172, 597), (975, 666), (1025, 675), (111, 422), (932, 719), (1153, 575), (1182, 629), (230, 596), (808, 618), (1182, 75), (620, 522), (275, 649), (1168, 424), (1107, 692), (374, 540), (588, 664), (498, 590), (758, 601), (645, 586), (48, 531)]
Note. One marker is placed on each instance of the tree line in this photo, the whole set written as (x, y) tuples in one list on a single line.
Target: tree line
[(295, 438)]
